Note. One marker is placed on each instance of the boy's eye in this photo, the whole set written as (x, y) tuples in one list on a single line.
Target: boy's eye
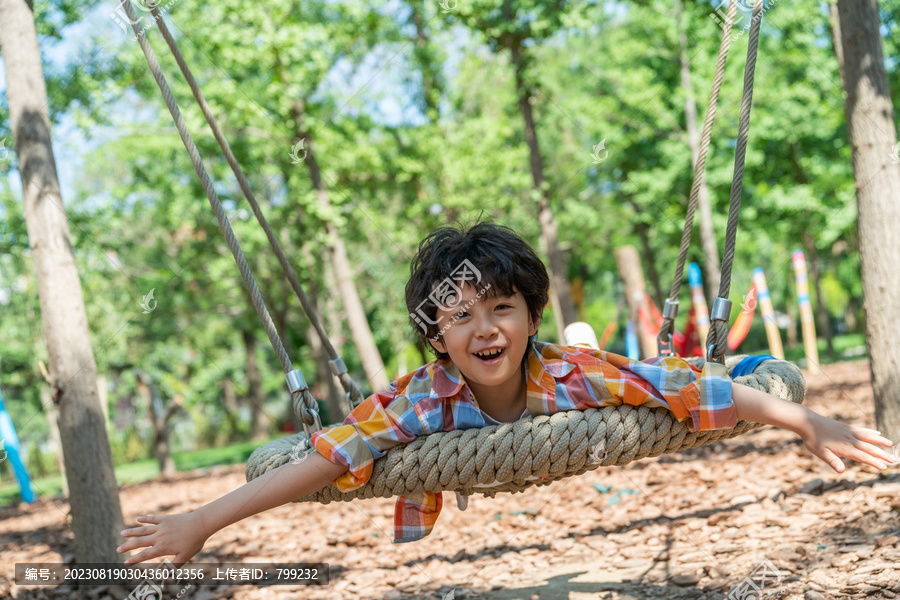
[(504, 306), (461, 314)]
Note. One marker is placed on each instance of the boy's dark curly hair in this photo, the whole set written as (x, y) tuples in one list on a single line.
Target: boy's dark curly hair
[(505, 261)]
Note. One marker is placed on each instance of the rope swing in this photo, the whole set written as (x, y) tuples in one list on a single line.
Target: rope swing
[(532, 451)]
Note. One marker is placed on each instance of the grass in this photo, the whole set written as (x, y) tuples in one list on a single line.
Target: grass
[(141, 470), (846, 347)]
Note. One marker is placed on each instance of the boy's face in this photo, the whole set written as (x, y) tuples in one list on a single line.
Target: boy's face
[(486, 324)]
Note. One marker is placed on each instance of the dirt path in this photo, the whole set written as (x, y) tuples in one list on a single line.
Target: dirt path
[(689, 525)]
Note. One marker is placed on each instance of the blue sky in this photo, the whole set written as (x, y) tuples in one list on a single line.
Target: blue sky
[(372, 84), (377, 87)]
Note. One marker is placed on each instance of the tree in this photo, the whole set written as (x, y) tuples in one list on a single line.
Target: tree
[(711, 267), (870, 124), (372, 363), (96, 512), (159, 419), (513, 26)]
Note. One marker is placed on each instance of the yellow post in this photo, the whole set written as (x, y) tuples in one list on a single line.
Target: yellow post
[(807, 324), (768, 313)]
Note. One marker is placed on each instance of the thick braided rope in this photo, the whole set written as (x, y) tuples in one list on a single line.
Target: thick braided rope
[(718, 331), (353, 393), (533, 451), (249, 282), (734, 208), (700, 167)]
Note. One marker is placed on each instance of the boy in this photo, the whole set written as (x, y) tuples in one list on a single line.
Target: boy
[(477, 295)]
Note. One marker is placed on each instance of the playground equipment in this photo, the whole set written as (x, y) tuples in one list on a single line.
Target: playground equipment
[(546, 448), (10, 451), (807, 324), (582, 334), (768, 314), (698, 302)]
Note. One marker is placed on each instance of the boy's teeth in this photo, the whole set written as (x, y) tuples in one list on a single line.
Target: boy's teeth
[(489, 353)]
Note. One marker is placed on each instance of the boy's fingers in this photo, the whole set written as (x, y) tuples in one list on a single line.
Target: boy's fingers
[(878, 452), (142, 556), (861, 428), (138, 531), (870, 435), (860, 456), (134, 543), (832, 460), (148, 519)]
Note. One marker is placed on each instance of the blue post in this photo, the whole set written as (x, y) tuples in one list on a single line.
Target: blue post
[(632, 349), (10, 450)]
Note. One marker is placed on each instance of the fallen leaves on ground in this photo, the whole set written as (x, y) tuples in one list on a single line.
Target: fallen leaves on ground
[(694, 524)]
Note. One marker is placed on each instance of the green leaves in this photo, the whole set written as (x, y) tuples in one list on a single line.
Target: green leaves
[(414, 122)]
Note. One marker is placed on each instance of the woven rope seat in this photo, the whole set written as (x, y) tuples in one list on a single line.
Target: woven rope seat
[(533, 451)]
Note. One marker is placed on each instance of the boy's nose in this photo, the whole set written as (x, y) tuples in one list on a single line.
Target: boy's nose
[(485, 327)]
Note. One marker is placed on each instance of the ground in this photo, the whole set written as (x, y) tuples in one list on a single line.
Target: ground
[(695, 525)]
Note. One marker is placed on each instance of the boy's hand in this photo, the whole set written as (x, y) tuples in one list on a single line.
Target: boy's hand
[(180, 536), (828, 439)]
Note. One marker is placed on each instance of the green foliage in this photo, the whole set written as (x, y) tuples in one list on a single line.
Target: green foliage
[(413, 118)]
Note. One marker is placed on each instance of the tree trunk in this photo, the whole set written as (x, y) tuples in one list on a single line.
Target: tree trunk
[(648, 256), (629, 262), (356, 316), (870, 124), (835, 21), (103, 396), (255, 396), (821, 308), (159, 419), (711, 267), (324, 375), (791, 333), (850, 314), (96, 512), (423, 54), (53, 426), (229, 402), (561, 294)]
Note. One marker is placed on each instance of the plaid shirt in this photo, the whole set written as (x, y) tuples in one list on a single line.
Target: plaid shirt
[(435, 398)]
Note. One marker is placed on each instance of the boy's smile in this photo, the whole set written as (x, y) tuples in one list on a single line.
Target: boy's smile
[(487, 342)]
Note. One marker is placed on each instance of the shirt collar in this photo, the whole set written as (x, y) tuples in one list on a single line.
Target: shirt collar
[(544, 366), (446, 380)]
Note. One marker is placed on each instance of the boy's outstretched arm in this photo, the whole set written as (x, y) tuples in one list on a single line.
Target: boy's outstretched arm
[(183, 535), (826, 438)]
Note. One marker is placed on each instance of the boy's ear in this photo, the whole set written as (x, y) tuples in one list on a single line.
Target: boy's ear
[(438, 345), (533, 326)]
